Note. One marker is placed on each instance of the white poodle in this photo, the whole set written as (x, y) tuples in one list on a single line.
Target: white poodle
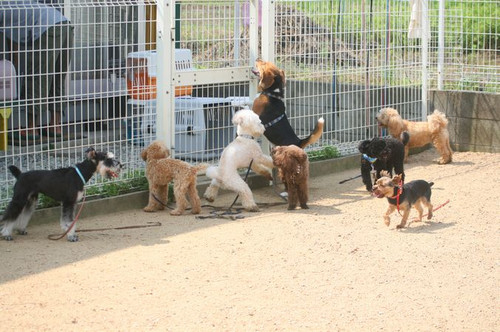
[(238, 154)]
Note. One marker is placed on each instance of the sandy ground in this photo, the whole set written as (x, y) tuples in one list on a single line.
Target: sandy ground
[(333, 267)]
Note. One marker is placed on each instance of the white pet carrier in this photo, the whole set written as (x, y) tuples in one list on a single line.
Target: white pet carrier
[(203, 126)]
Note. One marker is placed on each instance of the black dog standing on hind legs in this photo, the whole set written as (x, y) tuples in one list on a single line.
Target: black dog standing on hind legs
[(382, 154), (64, 185)]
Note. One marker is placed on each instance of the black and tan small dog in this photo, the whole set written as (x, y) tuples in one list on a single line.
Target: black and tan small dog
[(270, 108), (382, 154), (293, 169), (414, 193), (64, 185)]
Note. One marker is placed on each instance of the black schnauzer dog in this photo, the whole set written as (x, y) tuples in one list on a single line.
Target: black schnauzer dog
[(381, 154), (64, 185), (403, 197)]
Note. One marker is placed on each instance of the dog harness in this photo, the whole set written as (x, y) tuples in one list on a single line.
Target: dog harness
[(371, 160), (246, 136), (80, 174), (273, 122)]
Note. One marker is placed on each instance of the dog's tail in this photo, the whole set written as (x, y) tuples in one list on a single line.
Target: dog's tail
[(437, 121), (213, 172), (431, 184), (15, 171), (315, 135), (201, 168), (405, 137)]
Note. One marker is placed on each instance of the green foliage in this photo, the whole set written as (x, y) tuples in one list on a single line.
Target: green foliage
[(479, 20), (327, 152)]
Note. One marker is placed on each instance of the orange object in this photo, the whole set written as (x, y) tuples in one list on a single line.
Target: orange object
[(141, 76)]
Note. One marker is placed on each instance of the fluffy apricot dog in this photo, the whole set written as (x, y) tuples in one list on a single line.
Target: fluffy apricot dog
[(161, 170), (293, 169), (434, 131)]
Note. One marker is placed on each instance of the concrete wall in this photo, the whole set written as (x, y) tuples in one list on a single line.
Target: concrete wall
[(474, 119)]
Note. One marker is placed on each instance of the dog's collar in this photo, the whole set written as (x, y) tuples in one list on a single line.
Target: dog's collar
[(399, 191), (369, 159), (80, 174), (273, 122), (272, 95), (246, 136)]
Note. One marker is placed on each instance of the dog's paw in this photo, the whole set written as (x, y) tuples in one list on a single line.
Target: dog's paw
[(292, 207), (22, 232), (73, 238), (209, 199), (253, 208), (8, 238), (400, 226), (149, 209), (304, 206), (175, 213)]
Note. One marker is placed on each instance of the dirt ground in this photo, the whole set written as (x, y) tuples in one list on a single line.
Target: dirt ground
[(333, 267)]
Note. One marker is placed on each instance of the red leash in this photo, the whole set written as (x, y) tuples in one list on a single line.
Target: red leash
[(435, 209), (58, 237)]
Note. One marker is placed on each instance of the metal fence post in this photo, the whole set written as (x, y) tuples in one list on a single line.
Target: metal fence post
[(425, 56), (440, 64), (254, 39), (268, 14), (268, 33), (165, 102)]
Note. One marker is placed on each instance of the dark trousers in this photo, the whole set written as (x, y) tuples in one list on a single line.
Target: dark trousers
[(47, 64)]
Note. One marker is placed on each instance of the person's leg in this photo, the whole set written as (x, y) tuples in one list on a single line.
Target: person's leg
[(62, 37), (35, 85)]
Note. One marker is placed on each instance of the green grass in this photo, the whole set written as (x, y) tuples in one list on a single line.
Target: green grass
[(327, 152)]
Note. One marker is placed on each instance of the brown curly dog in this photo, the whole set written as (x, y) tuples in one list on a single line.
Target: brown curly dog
[(434, 130), (161, 170), (293, 169)]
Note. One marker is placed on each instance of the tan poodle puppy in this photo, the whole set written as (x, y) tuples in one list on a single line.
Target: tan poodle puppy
[(434, 131), (293, 169), (161, 170)]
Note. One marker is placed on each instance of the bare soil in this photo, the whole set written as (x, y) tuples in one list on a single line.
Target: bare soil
[(333, 267)]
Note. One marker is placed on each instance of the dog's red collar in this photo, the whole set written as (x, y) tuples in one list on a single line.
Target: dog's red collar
[(399, 188), (399, 192)]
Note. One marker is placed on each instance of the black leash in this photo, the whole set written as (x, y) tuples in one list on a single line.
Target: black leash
[(229, 213), (354, 177)]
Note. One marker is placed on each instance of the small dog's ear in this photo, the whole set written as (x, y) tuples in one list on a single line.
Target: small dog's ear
[(237, 118), (395, 123), (397, 179), (90, 153), (302, 157), (385, 173), (266, 80), (144, 154), (363, 146), (283, 77)]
